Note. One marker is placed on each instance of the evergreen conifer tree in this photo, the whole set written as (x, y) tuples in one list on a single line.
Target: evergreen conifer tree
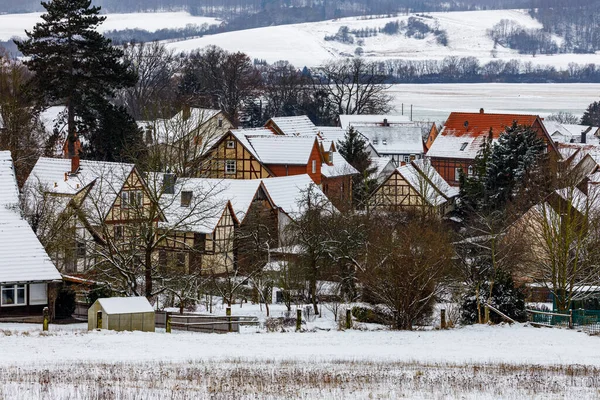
[(352, 148), (75, 64), (591, 116), (517, 151)]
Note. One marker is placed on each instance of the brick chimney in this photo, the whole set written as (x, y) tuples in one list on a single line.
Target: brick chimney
[(186, 112), (75, 164), (385, 122), (481, 111)]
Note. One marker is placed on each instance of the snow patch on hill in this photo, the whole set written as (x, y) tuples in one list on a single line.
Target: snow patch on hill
[(304, 44)]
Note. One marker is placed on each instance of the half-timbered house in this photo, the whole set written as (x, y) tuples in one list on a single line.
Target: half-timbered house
[(455, 148), (182, 140), (26, 271), (415, 187)]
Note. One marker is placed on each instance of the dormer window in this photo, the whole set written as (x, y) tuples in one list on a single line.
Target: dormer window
[(463, 146), (384, 142), (331, 157), (375, 141), (186, 198)]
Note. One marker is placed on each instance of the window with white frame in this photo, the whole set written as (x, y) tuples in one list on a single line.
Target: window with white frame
[(13, 295), (230, 166), (470, 170), (457, 172), (38, 293), (406, 159), (231, 144), (314, 166)]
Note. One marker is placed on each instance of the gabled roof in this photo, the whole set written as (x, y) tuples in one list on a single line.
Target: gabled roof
[(210, 199), (381, 164), (398, 139), (427, 182), (23, 258), (291, 150), (293, 126), (169, 131), (287, 192), (371, 119), (479, 124), (51, 175), (125, 305)]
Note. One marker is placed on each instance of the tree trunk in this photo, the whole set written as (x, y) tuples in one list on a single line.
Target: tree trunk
[(148, 274), (479, 321), (313, 294)]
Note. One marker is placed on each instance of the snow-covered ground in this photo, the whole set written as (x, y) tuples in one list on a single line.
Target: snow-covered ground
[(12, 25), (304, 44), (476, 362), (436, 101)]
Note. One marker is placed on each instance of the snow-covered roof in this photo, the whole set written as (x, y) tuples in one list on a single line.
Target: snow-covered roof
[(370, 119), (23, 258), (292, 150), (462, 147), (207, 205), (51, 175), (425, 167), (427, 182), (294, 126), (382, 164), (287, 192), (398, 139), (168, 131), (340, 167), (125, 305)]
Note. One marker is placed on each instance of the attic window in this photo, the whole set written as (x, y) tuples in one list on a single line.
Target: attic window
[(375, 141), (220, 122), (186, 199), (231, 144), (384, 142), (463, 146)]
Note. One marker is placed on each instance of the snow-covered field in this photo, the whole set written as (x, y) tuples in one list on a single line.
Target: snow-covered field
[(12, 25), (304, 44), (436, 101), (475, 362)]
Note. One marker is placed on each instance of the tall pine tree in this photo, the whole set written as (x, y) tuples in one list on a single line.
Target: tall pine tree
[(517, 151), (75, 64), (352, 148)]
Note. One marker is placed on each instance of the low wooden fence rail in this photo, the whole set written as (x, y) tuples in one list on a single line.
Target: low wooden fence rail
[(204, 323)]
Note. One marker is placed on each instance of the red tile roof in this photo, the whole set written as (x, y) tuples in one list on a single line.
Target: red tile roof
[(476, 124)]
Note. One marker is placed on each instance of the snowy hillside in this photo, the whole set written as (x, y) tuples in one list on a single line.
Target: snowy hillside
[(304, 44), (12, 25)]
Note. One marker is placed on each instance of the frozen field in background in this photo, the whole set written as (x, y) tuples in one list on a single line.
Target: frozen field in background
[(436, 101), (15, 24)]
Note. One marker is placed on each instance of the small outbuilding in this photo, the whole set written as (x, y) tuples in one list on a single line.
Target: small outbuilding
[(122, 314)]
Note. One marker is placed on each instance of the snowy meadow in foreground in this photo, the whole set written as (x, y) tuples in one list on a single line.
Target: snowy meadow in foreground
[(472, 362)]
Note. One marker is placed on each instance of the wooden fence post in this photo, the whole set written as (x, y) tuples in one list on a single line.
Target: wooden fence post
[(298, 319), (571, 319), (228, 313), (443, 318), (348, 318), (46, 318), (168, 322), (99, 320)]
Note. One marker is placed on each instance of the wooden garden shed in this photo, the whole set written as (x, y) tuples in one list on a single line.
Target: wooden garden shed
[(122, 314)]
